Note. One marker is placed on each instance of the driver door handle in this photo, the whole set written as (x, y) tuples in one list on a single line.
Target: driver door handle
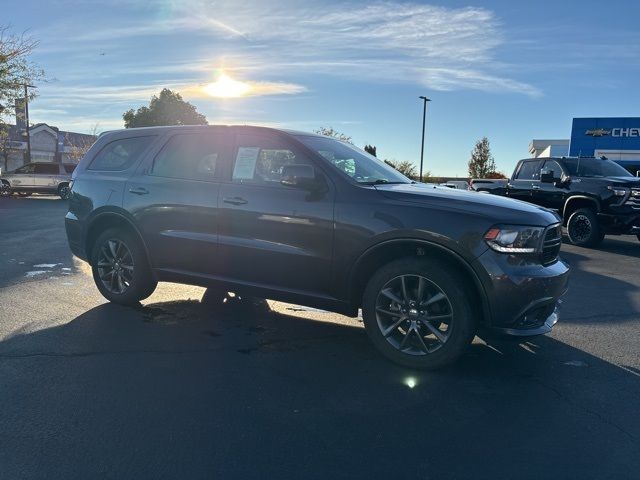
[(234, 200), (535, 187), (139, 191)]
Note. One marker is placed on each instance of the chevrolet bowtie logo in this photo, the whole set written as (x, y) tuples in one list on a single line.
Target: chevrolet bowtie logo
[(598, 132)]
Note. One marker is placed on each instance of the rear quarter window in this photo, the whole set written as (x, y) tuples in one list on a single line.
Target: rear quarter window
[(120, 154)]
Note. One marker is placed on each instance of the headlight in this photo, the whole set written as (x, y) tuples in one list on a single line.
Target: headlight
[(618, 191), (514, 238)]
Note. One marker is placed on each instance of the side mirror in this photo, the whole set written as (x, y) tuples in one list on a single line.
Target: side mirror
[(299, 176), (546, 176)]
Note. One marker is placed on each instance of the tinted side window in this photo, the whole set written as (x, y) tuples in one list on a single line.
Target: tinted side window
[(69, 167), (259, 160), (554, 167), (47, 169), (26, 169), (120, 154), (190, 156), (529, 171)]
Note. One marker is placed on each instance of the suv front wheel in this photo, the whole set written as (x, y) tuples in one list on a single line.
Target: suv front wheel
[(417, 314), (120, 267)]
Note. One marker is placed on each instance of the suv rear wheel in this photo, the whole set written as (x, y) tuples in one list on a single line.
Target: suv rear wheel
[(120, 268), (583, 228), (417, 314), (64, 191)]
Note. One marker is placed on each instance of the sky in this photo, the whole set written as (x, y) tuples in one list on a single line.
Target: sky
[(509, 70)]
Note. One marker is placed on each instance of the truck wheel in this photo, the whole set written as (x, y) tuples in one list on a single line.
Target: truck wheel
[(417, 313), (64, 192), (5, 190), (120, 267), (583, 228)]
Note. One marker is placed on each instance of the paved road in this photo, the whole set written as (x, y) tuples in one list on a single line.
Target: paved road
[(181, 389)]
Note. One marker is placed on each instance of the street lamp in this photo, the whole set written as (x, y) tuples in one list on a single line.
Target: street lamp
[(424, 120)]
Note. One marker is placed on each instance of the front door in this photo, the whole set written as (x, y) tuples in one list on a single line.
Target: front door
[(525, 180), (551, 195), (22, 177), (271, 234), (174, 198)]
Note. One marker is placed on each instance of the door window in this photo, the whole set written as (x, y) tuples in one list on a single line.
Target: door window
[(190, 156), (529, 171), (47, 169), (27, 169), (120, 154), (554, 167), (259, 160)]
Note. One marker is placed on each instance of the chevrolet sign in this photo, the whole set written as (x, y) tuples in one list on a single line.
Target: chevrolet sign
[(598, 132), (625, 132)]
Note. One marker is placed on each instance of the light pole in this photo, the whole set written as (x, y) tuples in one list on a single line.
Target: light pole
[(424, 120)]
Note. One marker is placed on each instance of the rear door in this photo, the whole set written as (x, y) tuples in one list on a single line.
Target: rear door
[(174, 198), (271, 234), (525, 180), (46, 175)]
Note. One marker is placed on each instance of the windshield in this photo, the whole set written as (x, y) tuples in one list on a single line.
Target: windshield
[(593, 167), (353, 162)]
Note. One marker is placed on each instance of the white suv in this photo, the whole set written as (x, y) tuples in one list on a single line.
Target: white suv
[(44, 177)]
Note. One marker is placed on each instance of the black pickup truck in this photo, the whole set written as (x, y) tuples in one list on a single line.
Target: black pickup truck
[(594, 196)]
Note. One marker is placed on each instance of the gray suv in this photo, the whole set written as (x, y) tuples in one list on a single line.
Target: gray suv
[(39, 177), (311, 220)]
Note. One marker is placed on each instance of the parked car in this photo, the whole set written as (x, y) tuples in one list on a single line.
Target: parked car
[(456, 184), (38, 177), (489, 185), (594, 196), (311, 220)]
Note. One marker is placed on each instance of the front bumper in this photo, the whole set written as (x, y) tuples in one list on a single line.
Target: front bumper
[(523, 295)]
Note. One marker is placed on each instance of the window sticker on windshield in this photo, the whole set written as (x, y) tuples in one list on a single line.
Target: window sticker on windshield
[(245, 163)]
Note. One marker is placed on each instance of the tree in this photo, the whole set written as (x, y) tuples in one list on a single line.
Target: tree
[(330, 132), (15, 68), (80, 146), (168, 108), (481, 163), (6, 146), (371, 150), (406, 168)]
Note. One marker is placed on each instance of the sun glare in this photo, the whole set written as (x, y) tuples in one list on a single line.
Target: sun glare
[(227, 87)]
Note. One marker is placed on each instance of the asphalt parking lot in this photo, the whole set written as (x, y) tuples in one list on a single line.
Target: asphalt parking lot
[(181, 389)]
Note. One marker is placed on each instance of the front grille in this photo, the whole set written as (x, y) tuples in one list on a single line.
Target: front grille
[(551, 244), (634, 199)]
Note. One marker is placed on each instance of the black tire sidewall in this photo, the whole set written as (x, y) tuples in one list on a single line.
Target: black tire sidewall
[(597, 234), (464, 321), (144, 282)]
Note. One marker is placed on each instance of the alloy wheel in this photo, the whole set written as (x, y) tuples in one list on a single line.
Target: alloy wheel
[(115, 266), (581, 228), (414, 314), (5, 190), (65, 193)]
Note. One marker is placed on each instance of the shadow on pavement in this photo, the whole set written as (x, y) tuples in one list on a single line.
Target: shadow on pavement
[(189, 390), (33, 243)]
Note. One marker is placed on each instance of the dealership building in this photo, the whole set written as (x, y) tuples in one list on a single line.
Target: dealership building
[(615, 138)]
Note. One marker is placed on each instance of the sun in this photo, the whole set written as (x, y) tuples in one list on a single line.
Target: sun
[(227, 87)]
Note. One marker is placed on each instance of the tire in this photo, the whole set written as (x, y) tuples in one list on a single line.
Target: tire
[(583, 228), (64, 192), (410, 339), (5, 190), (136, 281)]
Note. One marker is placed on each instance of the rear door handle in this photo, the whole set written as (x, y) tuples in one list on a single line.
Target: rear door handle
[(535, 187), (139, 191), (234, 200)]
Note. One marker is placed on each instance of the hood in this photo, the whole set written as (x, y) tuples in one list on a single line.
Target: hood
[(494, 208), (631, 182)]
